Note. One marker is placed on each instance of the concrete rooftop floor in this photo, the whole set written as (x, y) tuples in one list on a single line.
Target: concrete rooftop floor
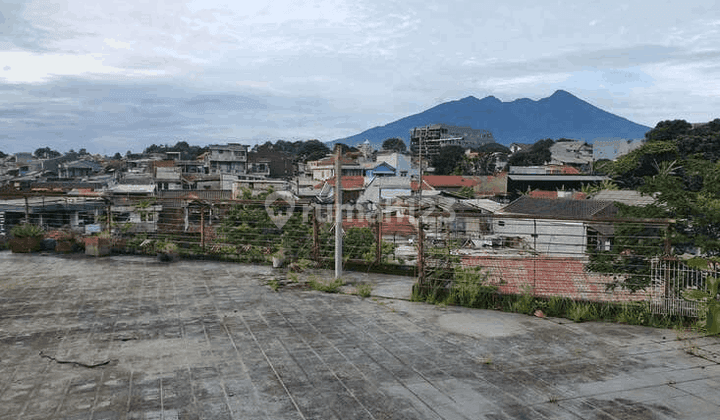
[(132, 338)]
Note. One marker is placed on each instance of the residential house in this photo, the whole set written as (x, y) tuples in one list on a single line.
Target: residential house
[(51, 211), (571, 153), (381, 189), (271, 163), (400, 162), (352, 188), (323, 169), (167, 175), (518, 184), (450, 183), (553, 227), (231, 159)]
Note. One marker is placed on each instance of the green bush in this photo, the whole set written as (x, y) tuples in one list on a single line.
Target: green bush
[(26, 230)]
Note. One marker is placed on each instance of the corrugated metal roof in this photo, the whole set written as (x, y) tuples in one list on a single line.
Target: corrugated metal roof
[(559, 207), (629, 197), (587, 178)]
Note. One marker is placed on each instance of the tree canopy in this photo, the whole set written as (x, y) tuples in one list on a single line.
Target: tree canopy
[(537, 154), (680, 166), (46, 153), (187, 152), (447, 159), (312, 150), (394, 144)]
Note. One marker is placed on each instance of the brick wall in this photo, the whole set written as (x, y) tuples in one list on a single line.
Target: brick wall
[(550, 276)]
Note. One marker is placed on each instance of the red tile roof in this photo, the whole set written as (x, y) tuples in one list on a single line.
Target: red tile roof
[(439, 181), (355, 182), (390, 225), (569, 170)]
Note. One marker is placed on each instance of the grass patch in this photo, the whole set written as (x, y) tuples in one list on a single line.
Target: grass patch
[(470, 287), (363, 290), (326, 286), (274, 284)]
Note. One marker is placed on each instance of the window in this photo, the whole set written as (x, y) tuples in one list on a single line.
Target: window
[(501, 223)]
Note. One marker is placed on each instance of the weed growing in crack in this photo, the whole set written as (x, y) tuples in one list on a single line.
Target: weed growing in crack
[(326, 286), (364, 290)]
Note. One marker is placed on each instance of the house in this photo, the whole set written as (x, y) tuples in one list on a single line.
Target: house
[(231, 159), (167, 175), (399, 161), (452, 183), (366, 149), (257, 185), (51, 211), (554, 227), (352, 188), (78, 169), (383, 188), (139, 216), (323, 169), (380, 169), (520, 183), (491, 186), (271, 163), (572, 153)]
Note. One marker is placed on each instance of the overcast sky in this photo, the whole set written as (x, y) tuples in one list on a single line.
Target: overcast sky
[(112, 78)]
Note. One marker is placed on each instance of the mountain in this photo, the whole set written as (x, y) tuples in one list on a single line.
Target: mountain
[(520, 121)]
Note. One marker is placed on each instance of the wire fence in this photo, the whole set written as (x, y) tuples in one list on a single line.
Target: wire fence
[(602, 260)]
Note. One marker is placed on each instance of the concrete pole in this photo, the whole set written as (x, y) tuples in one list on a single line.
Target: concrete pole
[(338, 212)]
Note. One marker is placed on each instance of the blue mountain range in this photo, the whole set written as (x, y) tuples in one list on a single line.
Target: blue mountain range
[(561, 115)]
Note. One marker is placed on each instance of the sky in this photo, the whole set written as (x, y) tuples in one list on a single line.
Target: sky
[(117, 76)]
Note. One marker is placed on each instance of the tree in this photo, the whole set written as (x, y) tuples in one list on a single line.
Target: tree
[(668, 130), (538, 154), (312, 150), (344, 148), (447, 160), (117, 156), (46, 153), (394, 144), (492, 148), (2, 155), (83, 152)]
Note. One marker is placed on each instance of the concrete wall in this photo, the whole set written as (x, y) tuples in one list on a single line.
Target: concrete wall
[(554, 237)]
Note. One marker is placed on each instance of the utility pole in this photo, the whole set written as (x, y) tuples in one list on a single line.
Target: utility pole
[(338, 212), (421, 235)]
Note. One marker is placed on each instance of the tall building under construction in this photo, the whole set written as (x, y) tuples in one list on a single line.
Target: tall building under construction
[(436, 136)]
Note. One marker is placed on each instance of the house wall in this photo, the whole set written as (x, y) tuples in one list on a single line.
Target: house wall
[(554, 237)]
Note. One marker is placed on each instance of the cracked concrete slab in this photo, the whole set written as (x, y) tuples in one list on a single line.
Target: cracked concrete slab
[(210, 340)]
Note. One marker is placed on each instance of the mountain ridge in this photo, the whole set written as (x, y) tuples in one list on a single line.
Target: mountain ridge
[(523, 120)]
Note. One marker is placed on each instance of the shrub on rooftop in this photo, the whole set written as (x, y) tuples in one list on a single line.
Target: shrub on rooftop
[(26, 230)]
